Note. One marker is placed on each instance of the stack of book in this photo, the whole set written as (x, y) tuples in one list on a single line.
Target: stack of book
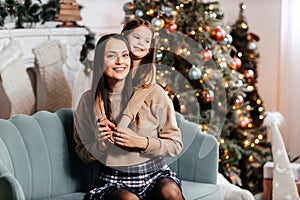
[(69, 13)]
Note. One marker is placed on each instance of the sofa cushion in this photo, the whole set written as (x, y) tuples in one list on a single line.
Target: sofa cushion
[(203, 191)]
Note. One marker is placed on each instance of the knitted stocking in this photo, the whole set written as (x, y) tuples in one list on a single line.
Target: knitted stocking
[(53, 89), (15, 80)]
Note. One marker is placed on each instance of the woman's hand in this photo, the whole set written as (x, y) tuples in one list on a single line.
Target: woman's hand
[(129, 139), (104, 133)]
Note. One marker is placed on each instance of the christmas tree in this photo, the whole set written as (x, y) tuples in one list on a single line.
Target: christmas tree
[(207, 79)]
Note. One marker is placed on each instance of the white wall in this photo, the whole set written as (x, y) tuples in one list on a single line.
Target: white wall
[(289, 74), (102, 16), (278, 67)]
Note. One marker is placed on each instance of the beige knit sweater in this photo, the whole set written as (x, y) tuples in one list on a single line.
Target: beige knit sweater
[(157, 121)]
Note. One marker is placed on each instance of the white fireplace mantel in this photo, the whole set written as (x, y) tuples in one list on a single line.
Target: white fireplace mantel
[(72, 38)]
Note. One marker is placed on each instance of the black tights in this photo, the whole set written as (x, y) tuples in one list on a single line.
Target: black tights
[(164, 189)]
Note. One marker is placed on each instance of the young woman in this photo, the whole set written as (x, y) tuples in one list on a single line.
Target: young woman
[(131, 163)]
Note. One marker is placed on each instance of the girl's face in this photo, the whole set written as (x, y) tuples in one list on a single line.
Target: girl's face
[(140, 41), (116, 59)]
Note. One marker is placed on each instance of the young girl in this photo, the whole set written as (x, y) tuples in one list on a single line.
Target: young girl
[(140, 34), (131, 164)]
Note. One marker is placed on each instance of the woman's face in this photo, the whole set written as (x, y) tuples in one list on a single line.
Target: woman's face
[(140, 41), (116, 59)]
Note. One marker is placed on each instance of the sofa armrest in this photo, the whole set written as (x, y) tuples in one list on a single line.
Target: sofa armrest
[(198, 161), (10, 187)]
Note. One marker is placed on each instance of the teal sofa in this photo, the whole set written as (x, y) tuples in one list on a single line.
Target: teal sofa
[(38, 160)]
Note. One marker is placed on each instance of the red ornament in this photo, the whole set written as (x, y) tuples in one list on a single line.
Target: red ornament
[(244, 122), (206, 54), (218, 34), (172, 26), (237, 63), (249, 75), (207, 96), (238, 101)]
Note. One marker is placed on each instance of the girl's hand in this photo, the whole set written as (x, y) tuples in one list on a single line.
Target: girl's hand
[(104, 133), (129, 139)]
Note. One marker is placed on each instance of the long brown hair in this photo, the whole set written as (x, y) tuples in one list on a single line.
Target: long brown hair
[(100, 85), (149, 59)]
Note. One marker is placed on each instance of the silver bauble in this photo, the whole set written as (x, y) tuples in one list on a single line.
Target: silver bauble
[(195, 73)]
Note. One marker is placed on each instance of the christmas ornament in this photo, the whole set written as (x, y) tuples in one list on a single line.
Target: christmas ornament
[(249, 75), (213, 15), (227, 40), (195, 73), (172, 26), (218, 34), (157, 22), (207, 96), (159, 56), (238, 101), (251, 46), (128, 7), (243, 122), (236, 63), (139, 13), (206, 54)]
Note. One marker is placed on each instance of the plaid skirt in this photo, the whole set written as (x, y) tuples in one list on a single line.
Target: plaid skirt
[(138, 179)]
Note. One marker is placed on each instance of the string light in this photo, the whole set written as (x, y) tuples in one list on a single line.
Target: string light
[(150, 12), (246, 143), (251, 158), (258, 101), (250, 88)]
